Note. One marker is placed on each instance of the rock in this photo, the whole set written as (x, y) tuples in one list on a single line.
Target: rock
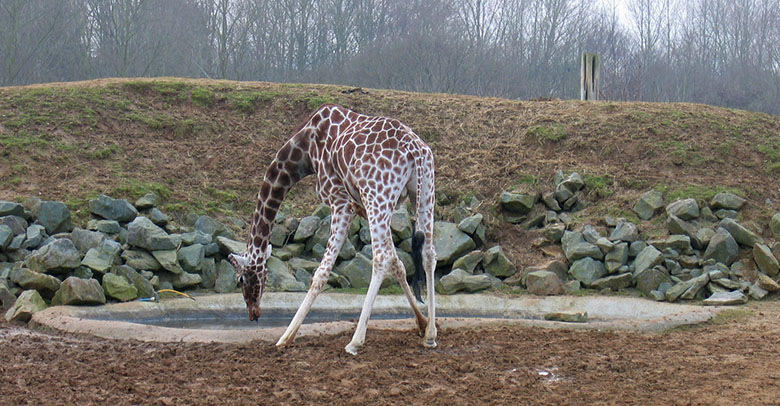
[(728, 201), (112, 209), (646, 259), (450, 243), (676, 291), (108, 226), (706, 214), (28, 279), (650, 279), (614, 282), (55, 216), (625, 231), (407, 260), (191, 258), (140, 260), (181, 281), (157, 217), (517, 203), (774, 226), (6, 236), (696, 284), (616, 258), (469, 224), (726, 283), (103, 257), (84, 240), (7, 298), (143, 233), (562, 193), (726, 299), (554, 232), (77, 291), (650, 204), (567, 317), (306, 265), (28, 303), (685, 209), (549, 200), (226, 278), (119, 287), (56, 257), (279, 235), (212, 227), (228, 246), (143, 285), (147, 201), (574, 182), (11, 209), (679, 243), (590, 234), (168, 260), (208, 273), (468, 262), (723, 214), (572, 287), (496, 263), (401, 225), (722, 248), (575, 247), (348, 250), (587, 270), (17, 224), (303, 277), (756, 292), (543, 283), (307, 227), (459, 279), (34, 236), (741, 234), (765, 260), (357, 271), (280, 278), (766, 283)]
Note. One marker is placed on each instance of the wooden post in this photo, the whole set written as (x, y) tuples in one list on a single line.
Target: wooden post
[(589, 76)]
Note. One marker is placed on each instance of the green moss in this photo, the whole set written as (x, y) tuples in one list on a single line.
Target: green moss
[(315, 101), (104, 153), (134, 188), (698, 192), (547, 133), (202, 96), (248, 101), (599, 185), (22, 140)]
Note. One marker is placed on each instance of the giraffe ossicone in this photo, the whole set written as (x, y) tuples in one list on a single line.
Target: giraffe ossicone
[(363, 165)]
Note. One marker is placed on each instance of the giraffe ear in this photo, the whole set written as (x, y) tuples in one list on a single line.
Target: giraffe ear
[(238, 261)]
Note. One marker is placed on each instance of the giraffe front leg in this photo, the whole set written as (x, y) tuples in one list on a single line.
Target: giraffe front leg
[(359, 338), (430, 265)]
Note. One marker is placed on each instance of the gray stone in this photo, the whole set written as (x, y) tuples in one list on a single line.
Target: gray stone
[(767, 283), (459, 280), (303, 277), (34, 236), (766, 262), (726, 299), (322, 211), (108, 226), (157, 217), (300, 263), (614, 282), (562, 193), (574, 182), (722, 248), (616, 258), (407, 260), (401, 224), (212, 249), (697, 284), (676, 291), (587, 270), (28, 303), (279, 235), (17, 224), (11, 209), (103, 257), (118, 287), (56, 257), (756, 292), (84, 239), (567, 317), (685, 209), (572, 287), (625, 231), (679, 243), (728, 201), (517, 203), (28, 279), (774, 226), (7, 298), (549, 200), (143, 233), (77, 291), (468, 262), (306, 228), (575, 247), (6, 236), (191, 258), (168, 259), (724, 214), (726, 283), (702, 237), (450, 243), (112, 209), (706, 214), (212, 227), (142, 285), (228, 246), (543, 283), (469, 224), (650, 279), (740, 233), (554, 232), (226, 278), (181, 281), (140, 260), (590, 234), (147, 201), (496, 263), (635, 248), (650, 204), (357, 271), (55, 216), (280, 278), (648, 258), (348, 251)]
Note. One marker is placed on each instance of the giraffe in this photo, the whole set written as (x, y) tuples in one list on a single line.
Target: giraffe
[(363, 166)]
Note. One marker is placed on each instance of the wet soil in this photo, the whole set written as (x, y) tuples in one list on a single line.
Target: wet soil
[(734, 359)]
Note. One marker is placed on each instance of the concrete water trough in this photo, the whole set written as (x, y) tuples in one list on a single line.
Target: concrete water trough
[(223, 318)]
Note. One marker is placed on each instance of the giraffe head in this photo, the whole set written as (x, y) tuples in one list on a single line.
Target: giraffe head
[(251, 274)]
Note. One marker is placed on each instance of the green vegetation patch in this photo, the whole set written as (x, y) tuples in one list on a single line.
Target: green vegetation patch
[(698, 192), (600, 186), (547, 133), (134, 188)]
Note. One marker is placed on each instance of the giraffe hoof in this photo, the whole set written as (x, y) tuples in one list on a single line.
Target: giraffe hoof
[(429, 343), (352, 349)]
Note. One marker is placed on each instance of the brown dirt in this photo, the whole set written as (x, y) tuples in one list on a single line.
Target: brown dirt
[(733, 360)]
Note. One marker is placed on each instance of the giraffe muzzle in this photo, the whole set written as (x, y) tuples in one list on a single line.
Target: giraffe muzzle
[(254, 312)]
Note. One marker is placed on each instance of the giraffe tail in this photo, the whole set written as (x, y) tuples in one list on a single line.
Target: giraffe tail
[(419, 274)]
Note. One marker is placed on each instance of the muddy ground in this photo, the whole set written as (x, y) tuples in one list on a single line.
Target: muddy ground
[(733, 360)]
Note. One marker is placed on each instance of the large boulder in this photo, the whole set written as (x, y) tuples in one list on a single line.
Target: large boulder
[(613, 282), (356, 270), (102, 258), (228, 246), (77, 291), (28, 303), (119, 287), (587, 270), (774, 226), (765, 260), (647, 258), (616, 258), (112, 209), (143, 285), (496, 263), (517, 203), (55, 216), (722, 247), (468, 262), (34, 236), (728, 201), (575, 247), (28, 279), (650, 204), (11, 209), (450, 243), (740, 233), (85, 239), (6, 236), (686, 209), (726, 299), (401, 224), (168, 260), (226, 278), (624, 231), (280, 278), (459, 279), (147, 201), (56, 257), (212, 227), (143, 233), (650, 279), (140, 260), (191, 257), (543, 283)]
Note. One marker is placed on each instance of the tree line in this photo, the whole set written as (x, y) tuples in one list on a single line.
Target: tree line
[(721, 52)]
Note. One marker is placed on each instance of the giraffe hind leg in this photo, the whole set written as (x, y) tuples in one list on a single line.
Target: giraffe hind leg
[(399, 272)]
